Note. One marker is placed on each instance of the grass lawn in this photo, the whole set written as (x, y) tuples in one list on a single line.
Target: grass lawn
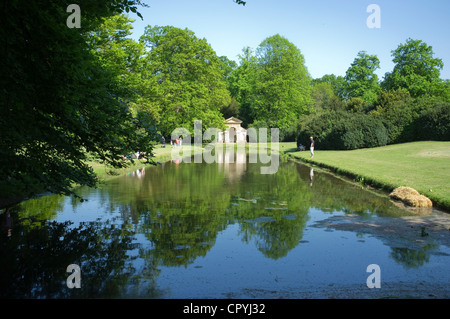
[(160, 154), (424, 166)]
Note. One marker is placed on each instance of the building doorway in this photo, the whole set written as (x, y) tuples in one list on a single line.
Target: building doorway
[(233, 137)]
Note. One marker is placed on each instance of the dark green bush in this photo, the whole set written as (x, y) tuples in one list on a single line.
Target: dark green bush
[(434, 124), (402, 118), (320, 127), (344, 131)]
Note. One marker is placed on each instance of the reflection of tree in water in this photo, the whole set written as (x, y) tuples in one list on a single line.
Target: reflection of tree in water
[(412, 258), (182, 210), (276, 238), (34, 261), (179, 238), (36, 211), (179, 209), (274, 213)]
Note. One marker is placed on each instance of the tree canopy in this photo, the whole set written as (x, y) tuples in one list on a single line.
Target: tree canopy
[(74, 94), (272, 85), (58, 102), (361, 80), (189, 78), (416, 69)]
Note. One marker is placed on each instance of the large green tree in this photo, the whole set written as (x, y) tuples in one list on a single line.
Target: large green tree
[(123, 57), (282, 90), (241, 82), (189, 76), (361, 80), (416, 69), (58, 101)]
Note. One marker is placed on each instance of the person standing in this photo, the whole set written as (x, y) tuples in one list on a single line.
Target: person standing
[(311, 148)]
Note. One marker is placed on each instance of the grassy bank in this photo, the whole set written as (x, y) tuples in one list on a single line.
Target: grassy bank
[(160, 154), (424, 166)]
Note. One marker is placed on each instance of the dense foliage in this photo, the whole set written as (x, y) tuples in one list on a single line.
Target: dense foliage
[(434, 124), (58, 102), (73, 94), (272, 85), (415, 69), (189, 79), (411, 103), (344, 131)]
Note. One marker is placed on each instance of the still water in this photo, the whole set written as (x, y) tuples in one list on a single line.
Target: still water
[(222, 230)]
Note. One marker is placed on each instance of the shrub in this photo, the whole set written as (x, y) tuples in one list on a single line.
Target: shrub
[(344, 131), (361, 131), (403, 118), (434, 124), (320, 126)]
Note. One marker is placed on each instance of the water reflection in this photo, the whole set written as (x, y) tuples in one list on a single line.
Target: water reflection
[(412, 258), (170, 216), (232, 163)]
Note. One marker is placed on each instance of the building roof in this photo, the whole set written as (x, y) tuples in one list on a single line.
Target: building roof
[(233, 120)]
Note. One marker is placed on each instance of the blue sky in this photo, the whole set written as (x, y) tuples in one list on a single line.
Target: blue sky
[(329, 33)]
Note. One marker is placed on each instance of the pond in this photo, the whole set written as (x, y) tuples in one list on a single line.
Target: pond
[(220, 230)]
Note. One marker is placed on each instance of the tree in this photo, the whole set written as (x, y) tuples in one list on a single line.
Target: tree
[(434, 123), (58, 102), (231, 109), (344, 130), (189, 77), (416, 69), (386, 99), (337, 83), (442, 89), (124, 59), (227, 66), (241, 83), (361, 80), (282, 90), (325, 98)]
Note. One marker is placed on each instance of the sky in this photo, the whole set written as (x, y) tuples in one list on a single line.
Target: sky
[(329, 33)]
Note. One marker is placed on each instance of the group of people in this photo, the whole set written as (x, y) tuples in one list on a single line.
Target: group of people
[(301, 147), (173, 143), (137, 155), (177, 142)]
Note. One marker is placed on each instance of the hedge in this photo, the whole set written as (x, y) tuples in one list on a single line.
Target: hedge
[(434, 124), (344, 131)]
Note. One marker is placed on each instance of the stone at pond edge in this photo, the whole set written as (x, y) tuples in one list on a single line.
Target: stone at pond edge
[(410, 197)]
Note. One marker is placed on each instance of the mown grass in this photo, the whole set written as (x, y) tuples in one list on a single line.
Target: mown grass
[(424, 166), (160, 154)]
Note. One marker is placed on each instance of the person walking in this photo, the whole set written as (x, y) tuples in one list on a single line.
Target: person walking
[(311, 148)]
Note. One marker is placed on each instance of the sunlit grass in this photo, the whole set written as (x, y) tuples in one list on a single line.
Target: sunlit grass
[(424, 166)]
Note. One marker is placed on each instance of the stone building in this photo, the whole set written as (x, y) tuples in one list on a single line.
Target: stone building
[(234, 132)]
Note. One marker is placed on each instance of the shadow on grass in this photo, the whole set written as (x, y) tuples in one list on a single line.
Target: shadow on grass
[(290, 150)]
